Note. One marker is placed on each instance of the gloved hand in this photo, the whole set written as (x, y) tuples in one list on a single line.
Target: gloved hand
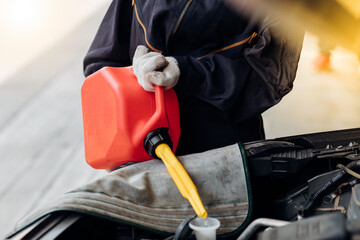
[(152, 68)]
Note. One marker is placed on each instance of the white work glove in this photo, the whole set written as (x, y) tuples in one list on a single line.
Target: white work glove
[(152, 68)]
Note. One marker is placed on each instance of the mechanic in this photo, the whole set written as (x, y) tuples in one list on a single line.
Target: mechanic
[(226, 69)]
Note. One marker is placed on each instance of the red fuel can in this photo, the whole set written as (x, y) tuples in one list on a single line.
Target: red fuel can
[(118, 114)]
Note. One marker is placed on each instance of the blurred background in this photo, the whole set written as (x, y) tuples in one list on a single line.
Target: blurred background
[(30, 27), (42, 45)]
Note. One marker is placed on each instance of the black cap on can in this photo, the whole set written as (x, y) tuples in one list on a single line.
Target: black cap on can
[(155, 138)]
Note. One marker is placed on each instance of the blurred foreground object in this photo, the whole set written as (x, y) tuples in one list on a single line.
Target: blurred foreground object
[(321, 62), (334, 22)]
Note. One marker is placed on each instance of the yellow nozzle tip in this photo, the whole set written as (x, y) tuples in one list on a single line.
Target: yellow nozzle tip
[(203, 215), (197, 204)]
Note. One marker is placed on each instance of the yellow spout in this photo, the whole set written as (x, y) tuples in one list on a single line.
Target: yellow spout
[(181, 178)]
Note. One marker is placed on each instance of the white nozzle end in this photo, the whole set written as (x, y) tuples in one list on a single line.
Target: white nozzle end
[(205, 229)]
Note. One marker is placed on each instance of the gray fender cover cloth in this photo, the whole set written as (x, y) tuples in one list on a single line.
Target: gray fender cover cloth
[(145, 194)]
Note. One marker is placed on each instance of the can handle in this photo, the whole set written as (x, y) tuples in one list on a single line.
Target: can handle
[(160, 103), (160, 113)]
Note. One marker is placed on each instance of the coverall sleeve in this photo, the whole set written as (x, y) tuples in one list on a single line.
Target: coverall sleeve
[(245, 86), (110, 46)]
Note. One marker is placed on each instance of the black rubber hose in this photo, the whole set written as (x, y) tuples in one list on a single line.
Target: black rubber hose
[(328, 188)]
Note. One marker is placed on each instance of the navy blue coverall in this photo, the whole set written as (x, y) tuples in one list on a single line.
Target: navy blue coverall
[(232, 70)]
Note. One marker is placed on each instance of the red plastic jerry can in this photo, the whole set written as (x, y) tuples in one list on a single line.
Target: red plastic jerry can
[(118, 114)]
